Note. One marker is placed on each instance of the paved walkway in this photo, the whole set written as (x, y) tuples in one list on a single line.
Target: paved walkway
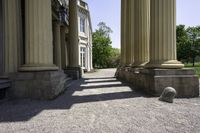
[(100, 104)]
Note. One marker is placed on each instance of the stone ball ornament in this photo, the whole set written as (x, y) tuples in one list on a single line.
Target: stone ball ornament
[(168, 95)]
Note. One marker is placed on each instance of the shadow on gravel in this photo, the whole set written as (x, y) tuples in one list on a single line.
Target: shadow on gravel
[(24, 110)]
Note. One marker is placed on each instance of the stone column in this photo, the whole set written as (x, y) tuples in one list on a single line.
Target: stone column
[(57, 43), (38, 36), (132, 30), (128, 34), (142, 32), (91, 62), (63, 47), (73, 34), (1, 40), (12, 34), (123, 32), (163, 35)]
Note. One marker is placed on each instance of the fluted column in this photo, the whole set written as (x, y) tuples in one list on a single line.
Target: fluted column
[(123, 32), (57, 44), (91, 60), (38, 36), (132, 30), (63, 47), (163, 35), (128, 35), (142, 32), (1, 41), (12, 34), (73, 34)]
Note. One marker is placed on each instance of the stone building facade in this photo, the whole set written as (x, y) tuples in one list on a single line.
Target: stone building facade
[(41, 45), (42, 42), (85, 36)]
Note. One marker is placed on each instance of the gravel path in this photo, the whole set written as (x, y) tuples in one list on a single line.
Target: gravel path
[(100, 104)]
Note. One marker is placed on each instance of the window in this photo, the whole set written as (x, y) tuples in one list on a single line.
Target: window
[(82, 24), (83, 56)]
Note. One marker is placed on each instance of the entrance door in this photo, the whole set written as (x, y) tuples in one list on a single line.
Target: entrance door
[(1, 38)]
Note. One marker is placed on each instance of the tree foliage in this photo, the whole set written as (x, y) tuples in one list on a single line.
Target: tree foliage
[(188, 43), (103, 53)]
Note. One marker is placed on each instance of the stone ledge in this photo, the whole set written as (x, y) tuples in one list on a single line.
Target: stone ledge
[(153, 81)]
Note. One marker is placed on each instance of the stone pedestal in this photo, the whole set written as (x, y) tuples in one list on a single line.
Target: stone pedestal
[(74, 72), (37, 85), (153, 81), (184, 81)]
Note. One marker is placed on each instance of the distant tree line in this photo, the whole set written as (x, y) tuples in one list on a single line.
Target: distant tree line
[(188, 44), (104, 56)]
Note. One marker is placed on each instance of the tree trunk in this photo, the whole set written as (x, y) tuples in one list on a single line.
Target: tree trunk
[(193, 61)]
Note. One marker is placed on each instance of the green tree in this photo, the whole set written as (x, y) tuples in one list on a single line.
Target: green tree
[(115, 58), (102, 46), (188, 43), (194, 42), (183, 46)]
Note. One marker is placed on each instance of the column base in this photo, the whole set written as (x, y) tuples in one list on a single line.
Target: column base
[(172, 64), (153, 81), (139, 64), (38, 67), (74, 72), (38, 85)]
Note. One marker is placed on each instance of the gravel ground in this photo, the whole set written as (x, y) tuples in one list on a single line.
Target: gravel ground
[(100, 104)]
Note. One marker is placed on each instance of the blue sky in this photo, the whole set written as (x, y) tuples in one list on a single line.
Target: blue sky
[(188, 13)]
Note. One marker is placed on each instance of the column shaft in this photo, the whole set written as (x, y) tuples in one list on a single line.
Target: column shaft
[(132, 30), (142, 32), (128, 35), (38, 36), (57, 44), (123, 32), (12, 34), (91, 60), (163, 35), (63, 47), (73, 34)]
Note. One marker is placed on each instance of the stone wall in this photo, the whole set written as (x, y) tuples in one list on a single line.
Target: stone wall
[(153, 81)]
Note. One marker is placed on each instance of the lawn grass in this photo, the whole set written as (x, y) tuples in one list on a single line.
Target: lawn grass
[(196, 67)]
